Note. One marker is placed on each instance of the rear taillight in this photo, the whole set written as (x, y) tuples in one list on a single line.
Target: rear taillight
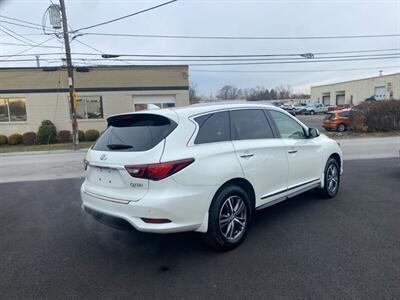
[(158, 171)]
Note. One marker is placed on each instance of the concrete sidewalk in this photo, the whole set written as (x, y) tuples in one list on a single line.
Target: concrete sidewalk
[(369, 148), (46, 165), (30, 166)]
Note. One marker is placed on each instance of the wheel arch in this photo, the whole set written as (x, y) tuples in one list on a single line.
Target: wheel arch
[(336, 156), (244, 184)]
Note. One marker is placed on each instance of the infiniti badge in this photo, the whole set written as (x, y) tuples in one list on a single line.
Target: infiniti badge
[(103, 157)]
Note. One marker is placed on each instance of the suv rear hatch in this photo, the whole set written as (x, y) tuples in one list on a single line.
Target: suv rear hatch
[(129, 140)]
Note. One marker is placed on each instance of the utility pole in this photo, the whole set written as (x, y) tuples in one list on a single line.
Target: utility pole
[(70, 69)]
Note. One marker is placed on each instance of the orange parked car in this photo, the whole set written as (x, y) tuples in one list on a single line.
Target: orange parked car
[(336, 120)]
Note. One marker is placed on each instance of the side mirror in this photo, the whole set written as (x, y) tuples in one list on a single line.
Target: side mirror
[(313, 133)]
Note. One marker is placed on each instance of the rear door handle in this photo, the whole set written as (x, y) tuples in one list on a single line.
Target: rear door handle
[(292, 151), (244, 155)]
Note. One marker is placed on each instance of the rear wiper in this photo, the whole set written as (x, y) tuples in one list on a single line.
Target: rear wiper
[(119, 146)]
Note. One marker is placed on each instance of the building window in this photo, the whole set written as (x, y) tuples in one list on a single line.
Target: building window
[(142, 102), (142, 106), (12, 110), (89, 107)]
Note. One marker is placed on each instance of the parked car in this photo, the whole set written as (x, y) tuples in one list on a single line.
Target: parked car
[(300, 109), (336, 120), (338, 107), (289, 109), (316, 109), (204, 168)]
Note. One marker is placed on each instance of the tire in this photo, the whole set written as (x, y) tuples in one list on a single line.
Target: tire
[(312, 113), (341, 128), (226, 231), (331, 179)]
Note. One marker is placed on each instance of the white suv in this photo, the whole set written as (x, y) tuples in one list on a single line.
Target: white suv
[(204, 168)]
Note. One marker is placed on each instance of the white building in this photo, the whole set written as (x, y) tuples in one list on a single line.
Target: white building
[(354, 92)]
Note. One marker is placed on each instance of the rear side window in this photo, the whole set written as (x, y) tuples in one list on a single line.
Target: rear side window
[(135, 132), (213, 128), (248, 124)]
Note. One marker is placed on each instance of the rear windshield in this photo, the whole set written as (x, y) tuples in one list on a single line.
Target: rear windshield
[(328, 116), (135, 132)]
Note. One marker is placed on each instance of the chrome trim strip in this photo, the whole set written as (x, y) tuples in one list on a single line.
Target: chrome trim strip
[(106, 166), (302, 190), (290, 195), (270, 203)]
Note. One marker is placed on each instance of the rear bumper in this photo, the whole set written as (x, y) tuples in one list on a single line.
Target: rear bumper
[(187, 211)]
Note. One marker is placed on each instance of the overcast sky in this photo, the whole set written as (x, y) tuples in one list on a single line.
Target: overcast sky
[(229, 18)]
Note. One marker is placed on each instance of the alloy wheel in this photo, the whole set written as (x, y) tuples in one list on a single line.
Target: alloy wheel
[(332, 178), (341, 128), (233, 218)]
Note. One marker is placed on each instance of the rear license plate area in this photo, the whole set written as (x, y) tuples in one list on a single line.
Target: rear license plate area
[(106, 177)]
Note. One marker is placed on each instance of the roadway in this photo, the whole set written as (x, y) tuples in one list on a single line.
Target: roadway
[(303, 248)]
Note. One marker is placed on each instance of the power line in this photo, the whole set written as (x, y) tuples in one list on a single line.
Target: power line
[(14, 37), (97, 50), (216, 60), (214, 56), (293, 71), (241, 37), (127, 16), (26, 50), (21, 21), (28, 34), (25, 45), (294, 62), (19, 35), (248, 59), (271, 62), (254, 55), (20, 25)]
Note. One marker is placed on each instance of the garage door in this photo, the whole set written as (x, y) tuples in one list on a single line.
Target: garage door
[(380, 92), (326, 100), (141, 102), (340, 99)]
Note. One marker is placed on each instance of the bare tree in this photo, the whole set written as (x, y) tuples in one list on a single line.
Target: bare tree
[(283, 92), (228, 92), (258, 93), (193, 97)]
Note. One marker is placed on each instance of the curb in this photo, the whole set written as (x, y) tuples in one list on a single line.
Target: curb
[(43, 152)]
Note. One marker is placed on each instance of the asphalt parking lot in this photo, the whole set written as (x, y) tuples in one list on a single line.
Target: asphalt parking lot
[(304, 248), (312, 121)]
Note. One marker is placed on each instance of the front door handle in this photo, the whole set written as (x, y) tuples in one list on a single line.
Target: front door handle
[(292, 151), (244, 155)]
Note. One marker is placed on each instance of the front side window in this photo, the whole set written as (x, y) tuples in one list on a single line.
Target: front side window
[(213, 128), (344, 114), (287, 127), (248, 124), (89, 107), (12, 110)]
